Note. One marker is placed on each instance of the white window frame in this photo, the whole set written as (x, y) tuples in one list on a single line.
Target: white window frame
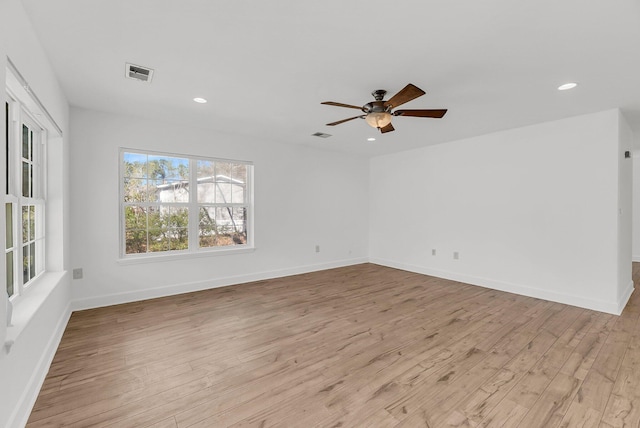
[(19, 115), (193, 206)]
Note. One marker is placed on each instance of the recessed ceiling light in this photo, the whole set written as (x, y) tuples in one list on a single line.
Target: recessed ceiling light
[(200, 100), (566, 86), (371, 139)]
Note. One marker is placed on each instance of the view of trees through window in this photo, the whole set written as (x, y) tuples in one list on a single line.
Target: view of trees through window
[(162, 212)]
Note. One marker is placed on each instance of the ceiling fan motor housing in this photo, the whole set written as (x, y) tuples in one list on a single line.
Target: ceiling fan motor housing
[(375, 107)]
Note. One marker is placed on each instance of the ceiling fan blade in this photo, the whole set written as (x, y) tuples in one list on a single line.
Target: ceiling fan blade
[(421, 113), (344, 120), (387, 128), (408, 93), (331, 103)]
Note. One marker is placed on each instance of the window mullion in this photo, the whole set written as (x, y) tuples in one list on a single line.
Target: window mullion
[(194, 218), (15, 144)]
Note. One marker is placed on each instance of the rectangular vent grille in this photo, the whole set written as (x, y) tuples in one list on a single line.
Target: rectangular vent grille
[(136, 72), (321, 135)]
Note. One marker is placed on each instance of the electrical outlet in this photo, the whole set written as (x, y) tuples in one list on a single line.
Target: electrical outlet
[(456, 255), (77, 273), (433, 252), (317, 248)]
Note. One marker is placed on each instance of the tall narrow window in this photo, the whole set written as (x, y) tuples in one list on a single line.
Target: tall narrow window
[(9, 204), (175, 203), (9, 249), (24, 200), (6, 139)]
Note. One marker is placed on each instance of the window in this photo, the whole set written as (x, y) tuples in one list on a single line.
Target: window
[(183, 204), (25, 197)]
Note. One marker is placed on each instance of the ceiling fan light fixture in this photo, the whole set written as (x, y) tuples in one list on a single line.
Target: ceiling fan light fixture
[(378, 119)]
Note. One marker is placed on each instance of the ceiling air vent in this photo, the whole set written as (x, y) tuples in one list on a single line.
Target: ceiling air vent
[(137, 72), (321, 135)]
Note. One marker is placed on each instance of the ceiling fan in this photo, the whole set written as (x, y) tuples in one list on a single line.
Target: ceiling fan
[(378, 113)]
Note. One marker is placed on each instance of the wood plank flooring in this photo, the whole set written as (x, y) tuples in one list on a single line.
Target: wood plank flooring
[(361, 346)]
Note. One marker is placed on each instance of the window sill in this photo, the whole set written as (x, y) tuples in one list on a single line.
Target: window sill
[(132, 260), (25, 307)]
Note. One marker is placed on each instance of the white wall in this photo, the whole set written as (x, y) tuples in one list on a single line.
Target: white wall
[(3, 296), (531, 210), (37, 327), (636, 207), (625, 209), (303, 197)]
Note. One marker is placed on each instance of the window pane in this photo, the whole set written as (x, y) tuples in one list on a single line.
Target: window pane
[(178, 217), (135, 217), (206, 190), (158, 240), (32, 222), (168, 168), (9, 225), (9, 269), (240, 172), (26, 179), (238, 183), (25, 264), (39, 222), (168, 191), (25, 141), (135, 165), (40, 256), (32, 260), (207, 227), (223, 190), (179, 239), (135, 190), (222, 226), (206, 179), (136, 241), (224, 169), (157, 218), (205, 168), (207, 218), (25, 224), (31, 145), (237, 193)]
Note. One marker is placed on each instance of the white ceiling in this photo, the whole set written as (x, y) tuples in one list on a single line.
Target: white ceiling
[(265, 66)]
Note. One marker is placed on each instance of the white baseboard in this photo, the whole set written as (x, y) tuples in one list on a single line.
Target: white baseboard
[(188, 287), (567, 299), (21, 413), (152, 293), (624, 299), (635, 258)]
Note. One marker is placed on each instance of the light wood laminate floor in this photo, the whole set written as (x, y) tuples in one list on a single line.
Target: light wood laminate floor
[(361, 346)]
